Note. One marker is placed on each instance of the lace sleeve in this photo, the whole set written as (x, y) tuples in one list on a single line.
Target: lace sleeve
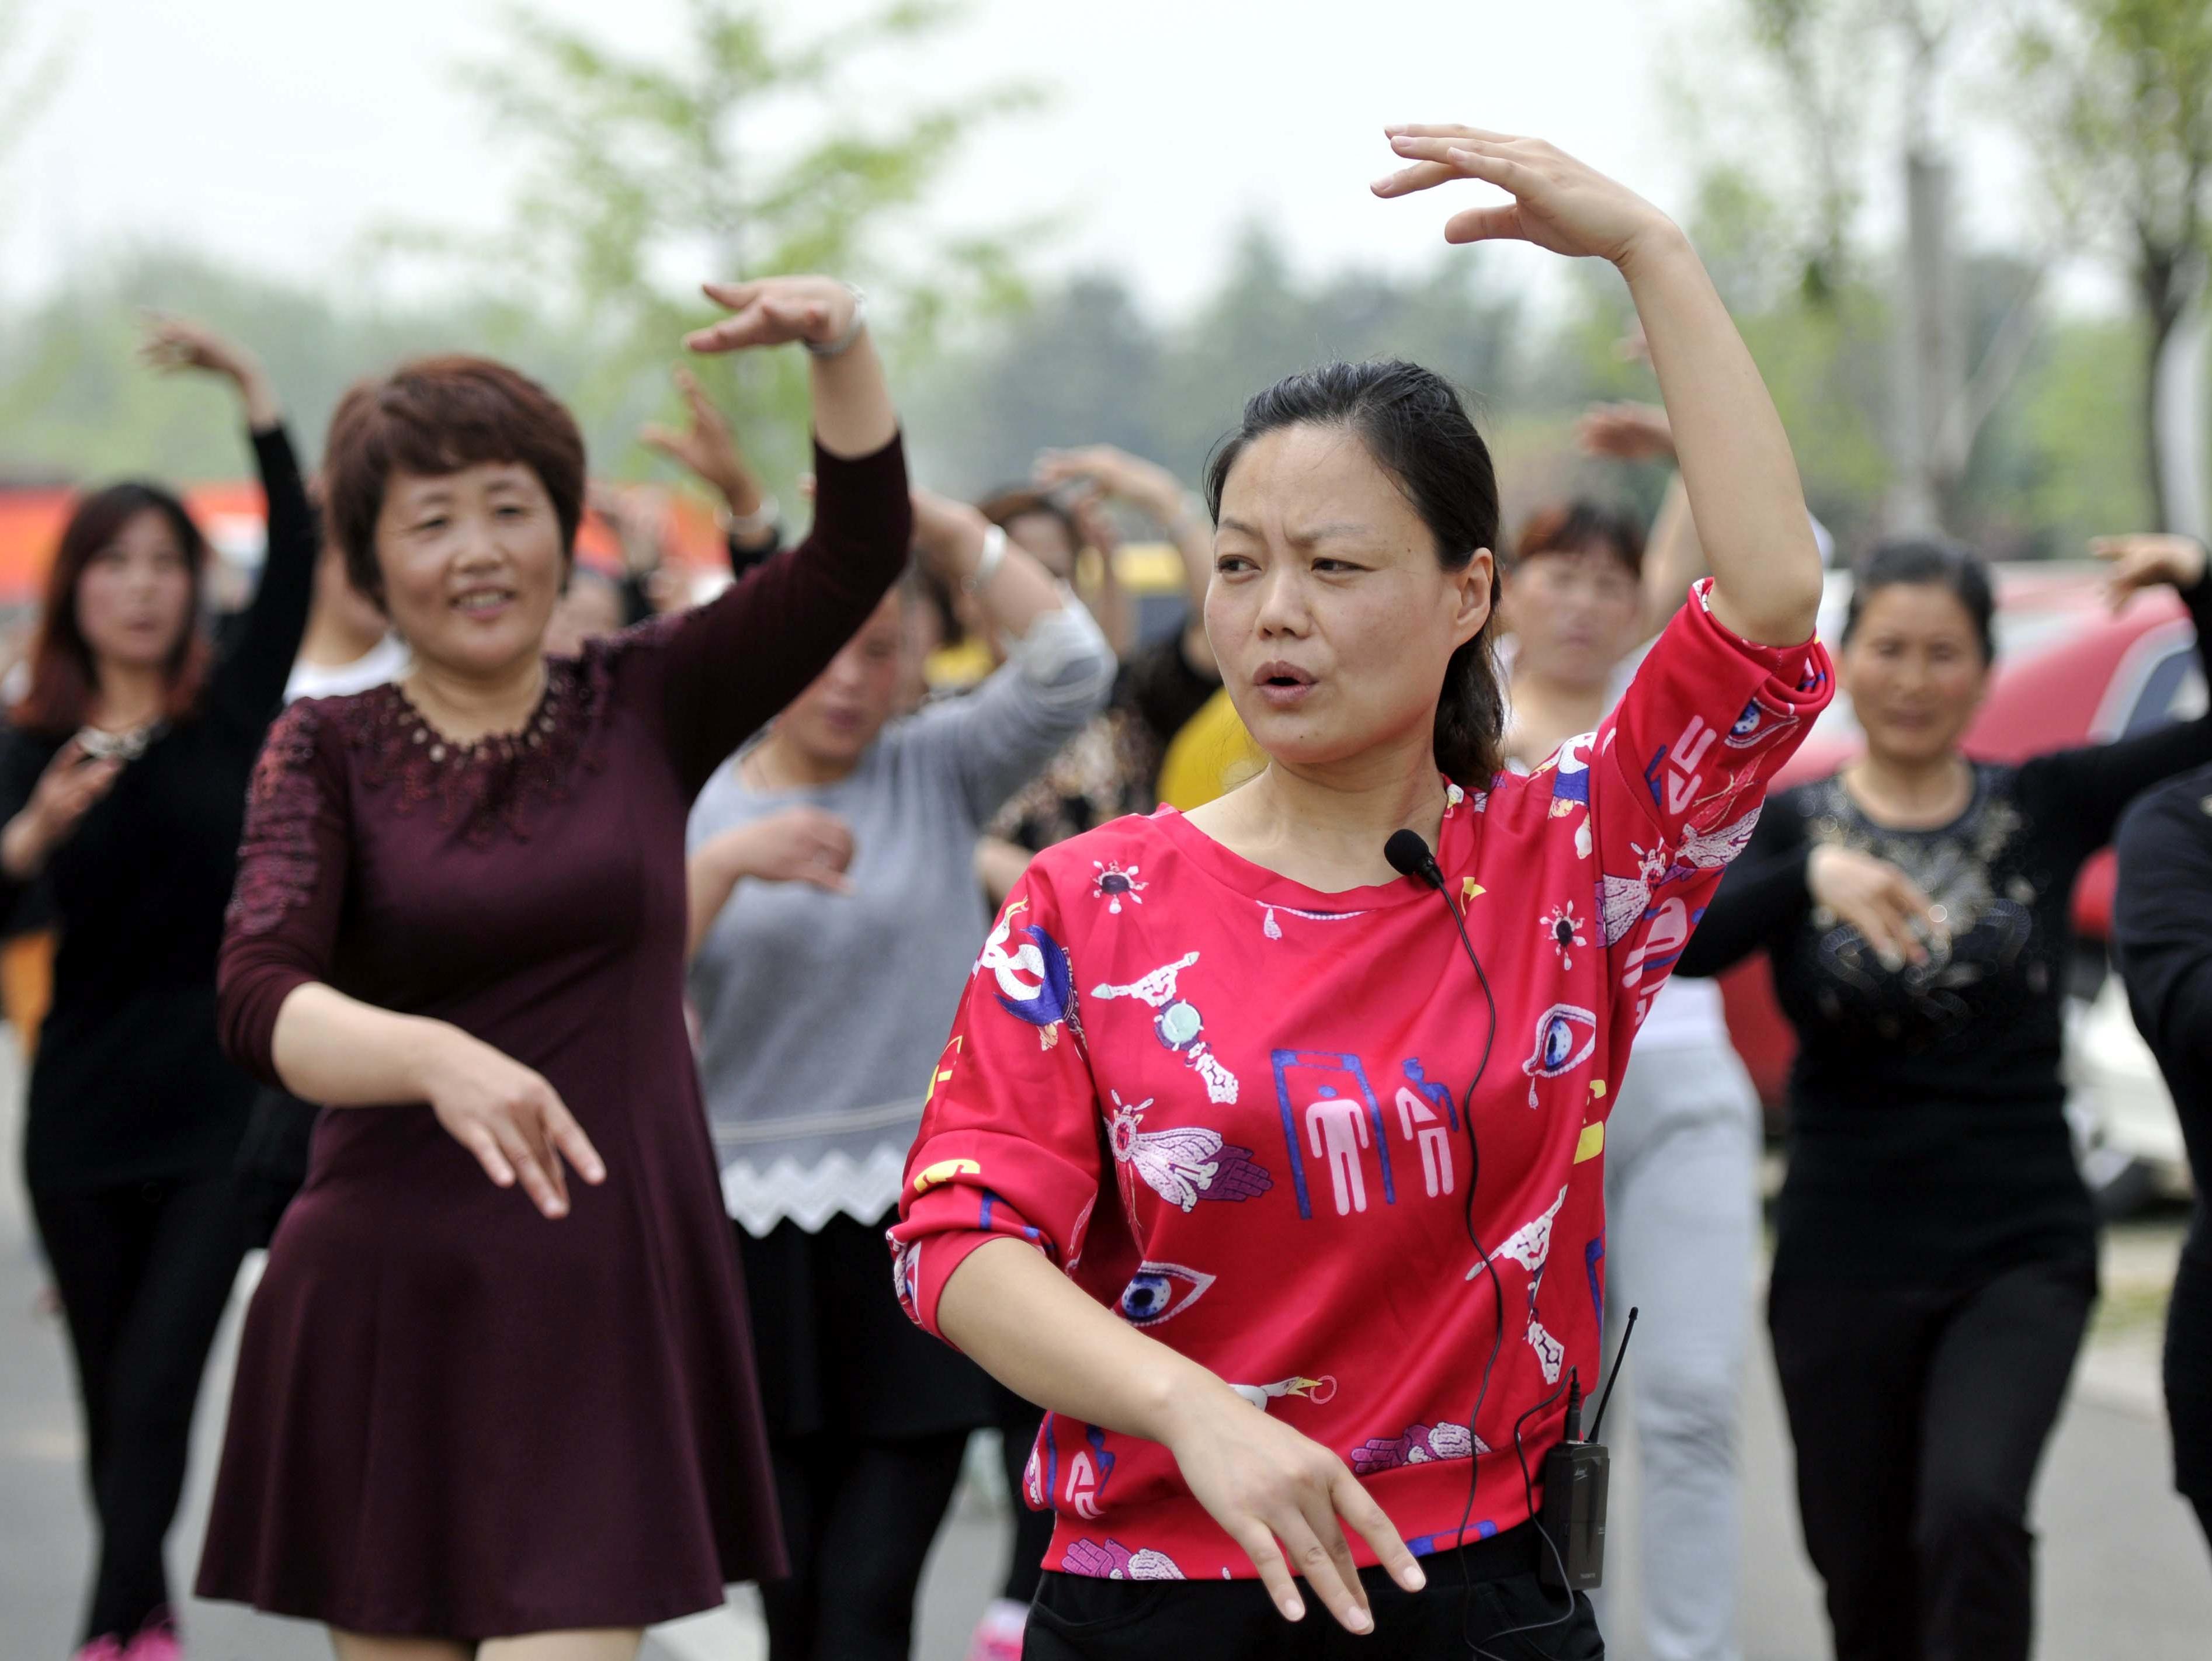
[(282, 922)]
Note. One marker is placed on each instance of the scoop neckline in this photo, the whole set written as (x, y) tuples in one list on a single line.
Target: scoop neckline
[(533, 732), (1261, 882), (1859, 812)]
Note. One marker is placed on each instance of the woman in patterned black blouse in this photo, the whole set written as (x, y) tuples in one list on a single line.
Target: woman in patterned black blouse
[(1935, 1258)]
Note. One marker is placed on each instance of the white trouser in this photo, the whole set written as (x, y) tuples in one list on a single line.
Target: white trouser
[(1681, 1215)]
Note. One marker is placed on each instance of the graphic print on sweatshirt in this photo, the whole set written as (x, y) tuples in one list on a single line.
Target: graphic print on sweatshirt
[(1244, 1114)]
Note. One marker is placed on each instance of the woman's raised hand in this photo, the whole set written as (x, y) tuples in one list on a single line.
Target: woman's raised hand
[(707, 446), (777, 311), (1878, 900), (1286, 1500), (510, 1117), (174, 344), (1558, 203), (2145, 560)]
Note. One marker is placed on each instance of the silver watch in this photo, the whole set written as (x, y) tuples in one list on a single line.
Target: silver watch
[(843, 343)]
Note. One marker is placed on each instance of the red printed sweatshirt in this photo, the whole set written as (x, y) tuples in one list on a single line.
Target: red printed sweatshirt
[(1234, 1109)]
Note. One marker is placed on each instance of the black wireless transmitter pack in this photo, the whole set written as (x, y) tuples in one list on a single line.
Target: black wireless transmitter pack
[(1575, 1475)]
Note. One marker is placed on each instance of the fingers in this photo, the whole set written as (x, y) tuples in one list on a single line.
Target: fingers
[(829, 879), (1499, 224), (1433, 130), (734, 295), (1315, 1544), (535, 1165), (653, 436), (479, 1140), (569, 1140), (1358, 1508), (1258, 1544)]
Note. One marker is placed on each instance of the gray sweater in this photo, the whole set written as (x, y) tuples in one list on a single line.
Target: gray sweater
[(822, 1013)]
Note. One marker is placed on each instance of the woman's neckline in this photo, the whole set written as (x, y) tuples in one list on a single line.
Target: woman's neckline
[(534, 725), (1935, 827), (1268, 886)]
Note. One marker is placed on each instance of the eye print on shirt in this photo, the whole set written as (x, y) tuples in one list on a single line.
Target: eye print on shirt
[(1566, 1035), (1161, 1291)]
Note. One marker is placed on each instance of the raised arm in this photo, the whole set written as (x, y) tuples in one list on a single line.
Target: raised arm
[(2087, 788), (707, 447), (1058, 667), (1119, 477), (249, 683), (1736, 466), (732, 664)]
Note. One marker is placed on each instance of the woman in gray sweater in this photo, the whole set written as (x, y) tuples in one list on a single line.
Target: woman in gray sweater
[(835, 919)]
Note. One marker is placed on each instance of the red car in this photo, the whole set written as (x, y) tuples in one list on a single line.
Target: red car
[(2067, 672)]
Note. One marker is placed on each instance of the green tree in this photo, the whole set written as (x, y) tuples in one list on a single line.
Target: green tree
[(28, 81), (644, 176), (2120, 105)]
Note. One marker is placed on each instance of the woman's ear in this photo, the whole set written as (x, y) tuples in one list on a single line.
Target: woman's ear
[(1476, 584)]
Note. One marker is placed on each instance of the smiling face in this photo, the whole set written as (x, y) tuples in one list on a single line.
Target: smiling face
[(1329, 612), (1573, 615), (838, 715), (134, 601), (1914, 669), (473, 563)]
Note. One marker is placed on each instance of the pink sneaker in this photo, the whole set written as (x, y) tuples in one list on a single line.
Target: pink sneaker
[(999, 1633), (156, 1641), (106, 1647)]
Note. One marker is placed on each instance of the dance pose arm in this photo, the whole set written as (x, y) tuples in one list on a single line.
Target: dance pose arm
[(707, 447), (279, 1021), (1736, 466), (2086, 788), (1058, 671), (248, 685), (731, 664)]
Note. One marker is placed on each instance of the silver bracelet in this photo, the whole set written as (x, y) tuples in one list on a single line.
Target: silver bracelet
[(751, 527), (987, 563), (843, 343)]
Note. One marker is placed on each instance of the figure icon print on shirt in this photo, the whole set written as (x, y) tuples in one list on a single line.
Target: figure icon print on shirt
[(1178, 1025), (1418, 1100), (1338, 1129), (1567, 1037), (1184, 1165), (1036, 981)]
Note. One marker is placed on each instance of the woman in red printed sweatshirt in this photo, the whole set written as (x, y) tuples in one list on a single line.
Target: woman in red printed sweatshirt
[(1226, 1103)]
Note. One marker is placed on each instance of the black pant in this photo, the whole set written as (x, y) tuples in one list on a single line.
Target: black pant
[(1018, 1423), (858, 1520), (1506, 1614), (144, 1272), (1919, 1415)]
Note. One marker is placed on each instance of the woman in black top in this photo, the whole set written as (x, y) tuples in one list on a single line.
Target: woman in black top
[(2162, 935), (122, 791), (1935, 1253)]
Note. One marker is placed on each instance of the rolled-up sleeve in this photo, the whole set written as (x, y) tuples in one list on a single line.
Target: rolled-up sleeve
[(1009, 1143)]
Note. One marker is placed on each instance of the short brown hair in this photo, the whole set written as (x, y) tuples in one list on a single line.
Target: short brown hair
[(65, 679), (437, 415), (1581, 527)]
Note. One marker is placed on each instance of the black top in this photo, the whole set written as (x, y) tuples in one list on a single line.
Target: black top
[(2162, 937), (130, 1084), (1927, 1139)]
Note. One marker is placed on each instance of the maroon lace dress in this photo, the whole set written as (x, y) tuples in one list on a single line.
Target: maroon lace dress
[(453, 1417)]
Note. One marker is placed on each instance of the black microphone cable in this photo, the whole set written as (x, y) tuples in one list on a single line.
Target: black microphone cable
[(1409, 855)]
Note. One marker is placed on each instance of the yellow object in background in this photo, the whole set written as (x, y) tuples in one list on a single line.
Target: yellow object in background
[(1212, 756), (26, 986)]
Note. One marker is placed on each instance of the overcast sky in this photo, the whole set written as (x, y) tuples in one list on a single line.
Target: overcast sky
[(272, 132)]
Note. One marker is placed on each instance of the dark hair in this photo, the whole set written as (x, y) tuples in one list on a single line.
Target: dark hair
[(65, 678), (1414, 425), (1933, 560), (1018, 501), (438, 415), (1581, 526)]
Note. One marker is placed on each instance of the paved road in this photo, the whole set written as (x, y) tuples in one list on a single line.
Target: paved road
[(2123, 1571)]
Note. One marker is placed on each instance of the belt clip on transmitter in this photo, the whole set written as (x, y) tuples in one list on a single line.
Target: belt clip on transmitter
[(1576, 1473)]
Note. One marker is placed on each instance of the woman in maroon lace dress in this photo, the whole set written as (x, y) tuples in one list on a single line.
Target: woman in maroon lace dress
[(520, 1408)]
